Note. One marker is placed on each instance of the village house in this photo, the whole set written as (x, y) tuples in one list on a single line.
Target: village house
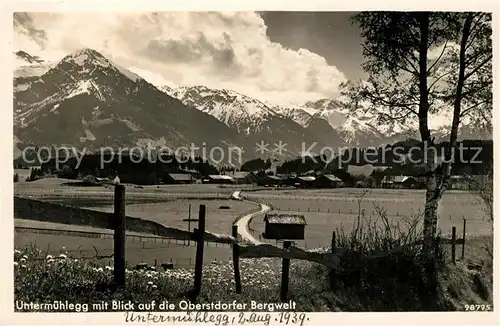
[(458, 182), (219, 179), (328, 181), (243, 177), (305, 181), (399, 182), (179, 178), (387, 182), (272, 180)]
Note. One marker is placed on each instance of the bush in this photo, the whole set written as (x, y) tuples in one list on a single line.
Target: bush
[(16, 177)]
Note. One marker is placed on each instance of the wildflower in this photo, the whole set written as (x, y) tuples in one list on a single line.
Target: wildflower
[(150, 283), (50, 261), (76, 260), (49, 257), (22, 260), (23, 266), (15, 263), (63, 256), (17, 251), (25, 257), (100, 269), (154, 286), (108, 268)]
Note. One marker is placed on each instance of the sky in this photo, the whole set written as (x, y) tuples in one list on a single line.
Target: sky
[(279, 57)]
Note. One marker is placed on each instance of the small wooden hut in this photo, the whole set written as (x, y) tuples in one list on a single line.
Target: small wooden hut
[(284, 226)]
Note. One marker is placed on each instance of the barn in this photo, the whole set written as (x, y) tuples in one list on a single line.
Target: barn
[(399, 182), (305, 181), (328, 181), (179, 178), (272, 180), (219, 179), (243, 177)]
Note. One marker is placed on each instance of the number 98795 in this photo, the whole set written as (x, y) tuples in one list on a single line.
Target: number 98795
[(477, 307)]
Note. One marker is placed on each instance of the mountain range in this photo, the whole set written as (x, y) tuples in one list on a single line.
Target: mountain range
[(86, 100)]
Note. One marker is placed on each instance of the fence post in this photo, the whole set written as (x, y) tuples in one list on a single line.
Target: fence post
[(200, 243), (236, 260), (463, 244), (333, 242), (285, 272), (453, 246), (119, 235), (189, 223)]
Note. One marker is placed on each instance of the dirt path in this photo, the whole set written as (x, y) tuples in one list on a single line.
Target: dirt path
[(243, 222)]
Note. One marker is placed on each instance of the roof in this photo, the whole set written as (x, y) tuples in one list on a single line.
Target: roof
[(285, 219), (402, 178), (331, 177), (181, 176), (220, 177), (307, 178), (456, 177), (240, 175)]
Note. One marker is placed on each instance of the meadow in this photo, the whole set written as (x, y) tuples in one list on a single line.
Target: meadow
[(168, 207), (327, 210), (60, 267)]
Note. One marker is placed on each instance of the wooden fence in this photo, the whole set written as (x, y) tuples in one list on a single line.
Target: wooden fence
[(120, 223)]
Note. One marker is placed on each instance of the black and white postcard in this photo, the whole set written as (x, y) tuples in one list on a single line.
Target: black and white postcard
[(240, 165)]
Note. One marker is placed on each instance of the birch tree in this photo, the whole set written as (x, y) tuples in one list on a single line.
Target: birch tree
[(419, 64)]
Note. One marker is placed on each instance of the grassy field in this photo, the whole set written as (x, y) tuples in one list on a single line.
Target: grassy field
[(357, 285), (163, 209), (55, 185), (326, 210)]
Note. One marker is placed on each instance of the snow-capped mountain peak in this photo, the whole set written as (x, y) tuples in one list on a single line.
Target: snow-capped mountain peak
[(89, 60), (86, 56), (232, 108)]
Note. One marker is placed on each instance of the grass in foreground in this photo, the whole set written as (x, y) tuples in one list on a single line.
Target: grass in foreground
[(384, 285)]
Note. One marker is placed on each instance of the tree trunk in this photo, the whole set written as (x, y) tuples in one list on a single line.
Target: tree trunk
[(431, 197)]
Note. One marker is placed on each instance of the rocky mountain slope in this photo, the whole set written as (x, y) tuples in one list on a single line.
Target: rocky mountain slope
[(86, 100), (89, 101)]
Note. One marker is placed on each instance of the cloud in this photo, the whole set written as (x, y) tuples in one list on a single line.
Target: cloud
[(217, 49)]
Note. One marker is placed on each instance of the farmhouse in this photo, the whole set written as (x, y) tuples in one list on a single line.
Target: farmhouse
[(179, 178), (284, 226), (458, 182), (243, 177), (328, 181), (305, 181), (399, 182), (406, 182), (272, 180), (219, 179)]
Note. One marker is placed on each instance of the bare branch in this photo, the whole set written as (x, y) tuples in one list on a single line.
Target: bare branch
[(470, 108), (439, 58), (438, 79), (476, 23), (485, 61)]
